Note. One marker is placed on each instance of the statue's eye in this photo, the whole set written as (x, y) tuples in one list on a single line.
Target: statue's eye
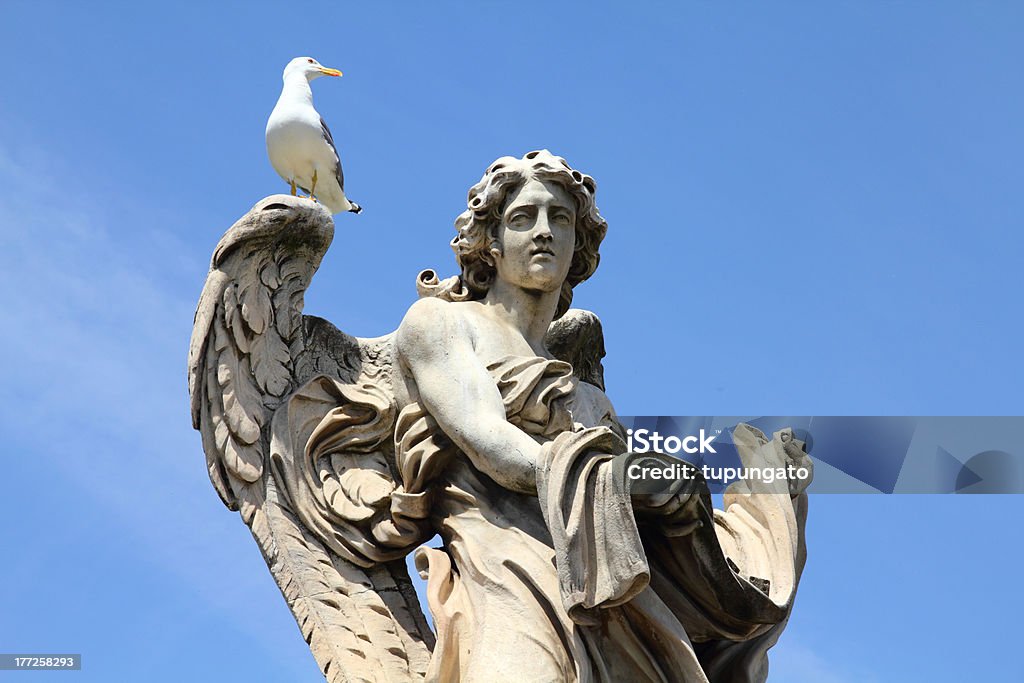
[(562, 218)]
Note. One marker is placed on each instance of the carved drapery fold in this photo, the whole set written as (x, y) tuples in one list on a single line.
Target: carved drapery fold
[(339, 478)]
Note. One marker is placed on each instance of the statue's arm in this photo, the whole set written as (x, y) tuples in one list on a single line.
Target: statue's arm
[(436, 350)]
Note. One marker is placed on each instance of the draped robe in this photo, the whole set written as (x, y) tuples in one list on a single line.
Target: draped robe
[(579, 583)]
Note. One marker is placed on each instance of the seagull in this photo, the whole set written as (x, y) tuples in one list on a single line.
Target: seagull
[(300, 144)]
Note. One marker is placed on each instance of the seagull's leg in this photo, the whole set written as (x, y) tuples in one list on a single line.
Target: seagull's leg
[(313, 188), (293, 187)]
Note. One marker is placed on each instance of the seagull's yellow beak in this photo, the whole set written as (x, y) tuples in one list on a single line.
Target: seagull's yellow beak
[(329, 72)]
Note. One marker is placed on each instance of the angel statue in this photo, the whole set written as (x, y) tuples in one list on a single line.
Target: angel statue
[(482, 420)]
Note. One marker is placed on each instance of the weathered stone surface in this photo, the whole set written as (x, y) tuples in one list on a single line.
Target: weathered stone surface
[(483, 418)]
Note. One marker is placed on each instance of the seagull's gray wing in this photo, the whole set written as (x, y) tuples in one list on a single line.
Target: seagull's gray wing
[(330, 141)]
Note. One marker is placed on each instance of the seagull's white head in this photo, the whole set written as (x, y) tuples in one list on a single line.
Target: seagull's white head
[(308, 67)]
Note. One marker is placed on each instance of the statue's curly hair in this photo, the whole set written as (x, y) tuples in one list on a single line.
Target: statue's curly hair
[(477, 226)]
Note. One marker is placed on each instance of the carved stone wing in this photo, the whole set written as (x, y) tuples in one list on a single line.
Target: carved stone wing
[(577, 338), (297, 422)]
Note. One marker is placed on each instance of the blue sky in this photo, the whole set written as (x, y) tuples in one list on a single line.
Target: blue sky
[(814, 210)]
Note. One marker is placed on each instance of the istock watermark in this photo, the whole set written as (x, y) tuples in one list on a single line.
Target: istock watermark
[(646, 441), (838, 454)]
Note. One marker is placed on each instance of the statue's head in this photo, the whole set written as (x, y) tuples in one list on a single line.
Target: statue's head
[(532, 221)]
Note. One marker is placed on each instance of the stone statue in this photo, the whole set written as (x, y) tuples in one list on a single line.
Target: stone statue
[(482, 419)]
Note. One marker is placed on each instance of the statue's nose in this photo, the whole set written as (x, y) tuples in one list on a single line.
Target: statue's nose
[(542, 227)]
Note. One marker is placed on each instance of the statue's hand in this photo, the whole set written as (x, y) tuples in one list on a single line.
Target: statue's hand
[(676, 514), (675, 509), (782, 451), (797, 459), (660, 504)]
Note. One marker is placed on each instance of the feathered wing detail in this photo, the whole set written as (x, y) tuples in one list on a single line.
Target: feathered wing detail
[(577, 338), (247, 330), (334, 197), (340, 174), (297, 422)]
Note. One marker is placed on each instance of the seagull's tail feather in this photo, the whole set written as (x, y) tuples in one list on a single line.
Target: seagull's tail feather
[(337, 202)]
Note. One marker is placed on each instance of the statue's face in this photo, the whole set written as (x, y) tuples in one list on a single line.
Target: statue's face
[(537, 236)]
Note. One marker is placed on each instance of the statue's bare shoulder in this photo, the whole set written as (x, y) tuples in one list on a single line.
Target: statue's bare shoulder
[(438, 331), (431, 331)]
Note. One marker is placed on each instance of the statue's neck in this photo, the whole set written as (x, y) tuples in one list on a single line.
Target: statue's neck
[(529, 312)]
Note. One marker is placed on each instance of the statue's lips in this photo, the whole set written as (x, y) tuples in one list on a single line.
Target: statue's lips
[(542, 252)]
